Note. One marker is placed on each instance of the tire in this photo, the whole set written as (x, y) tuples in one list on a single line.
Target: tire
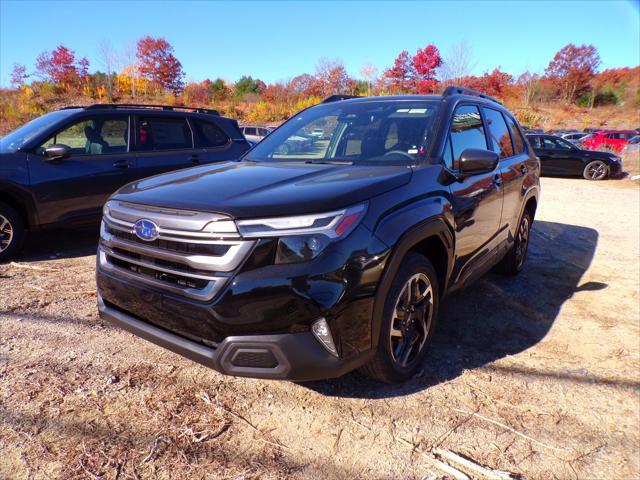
[(11, 232), (284, 149), (513, 261), (596, 170), (415, 327)]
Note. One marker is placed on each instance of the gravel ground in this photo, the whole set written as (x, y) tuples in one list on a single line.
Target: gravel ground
[(538, 375)]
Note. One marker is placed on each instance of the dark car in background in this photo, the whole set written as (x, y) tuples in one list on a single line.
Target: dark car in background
[(559, 157), (59, 169)]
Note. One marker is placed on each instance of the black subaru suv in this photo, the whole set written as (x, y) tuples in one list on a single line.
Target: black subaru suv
[(308, 264), (59, 169)]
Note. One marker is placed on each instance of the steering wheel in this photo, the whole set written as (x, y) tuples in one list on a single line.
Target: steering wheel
[(400, 152)]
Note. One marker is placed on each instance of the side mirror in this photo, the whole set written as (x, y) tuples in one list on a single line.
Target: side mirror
[(57, 152), (475, 160)]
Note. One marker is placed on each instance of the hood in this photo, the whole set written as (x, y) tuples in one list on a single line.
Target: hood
[(252, 190), (598, 155)]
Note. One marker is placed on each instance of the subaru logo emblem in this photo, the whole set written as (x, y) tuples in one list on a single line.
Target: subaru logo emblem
[(146, 230)]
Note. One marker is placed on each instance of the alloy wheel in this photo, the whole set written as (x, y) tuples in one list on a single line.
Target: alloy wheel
[(597, 170), (412, 319), (6, 233)]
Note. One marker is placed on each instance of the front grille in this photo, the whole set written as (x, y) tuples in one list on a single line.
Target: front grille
[(194, 254)]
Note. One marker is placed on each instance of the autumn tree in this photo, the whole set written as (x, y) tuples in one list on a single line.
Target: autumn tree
[(572, 70), (425, 63), (529, 84), (332, 78), (60, 67), (157, 63), (494, 83), (247, 85), (304, 85), (18, 75), (219, 90), (401, 78), (369, 73)]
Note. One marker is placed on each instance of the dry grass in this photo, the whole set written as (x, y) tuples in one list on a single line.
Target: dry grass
[(537, 375)]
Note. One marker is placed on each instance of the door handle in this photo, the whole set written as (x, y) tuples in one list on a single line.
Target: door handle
[(497, 180), (121, 164), (194, 159)]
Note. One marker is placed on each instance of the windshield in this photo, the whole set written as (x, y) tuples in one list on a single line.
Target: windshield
[(19, 137), (385, 132)]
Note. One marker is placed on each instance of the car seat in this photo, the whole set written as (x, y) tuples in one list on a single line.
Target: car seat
[(95, 144)]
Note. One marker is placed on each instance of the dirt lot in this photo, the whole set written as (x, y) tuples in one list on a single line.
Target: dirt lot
[(538, 376)]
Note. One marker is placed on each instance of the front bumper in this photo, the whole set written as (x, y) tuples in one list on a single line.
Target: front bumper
[(290, 356), (616, 170)]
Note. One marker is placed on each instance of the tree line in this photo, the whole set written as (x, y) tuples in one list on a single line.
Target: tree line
[(150, 69)]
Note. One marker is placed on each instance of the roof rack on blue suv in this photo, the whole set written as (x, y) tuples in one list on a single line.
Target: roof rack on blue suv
[(116, 106)]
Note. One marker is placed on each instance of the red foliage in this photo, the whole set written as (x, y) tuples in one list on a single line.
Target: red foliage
[(260, 86), (572, 70), (332, 78), (59, 66), (304, 85), (425, 63), (494, 83), (275, 92), (158, 64), (401, 78), (197, 93)]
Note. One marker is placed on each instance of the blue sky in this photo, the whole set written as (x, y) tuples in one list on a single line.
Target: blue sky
[(278, 40)]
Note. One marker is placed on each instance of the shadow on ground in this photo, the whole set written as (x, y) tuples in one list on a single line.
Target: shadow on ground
[(58, 244), (497, 316)]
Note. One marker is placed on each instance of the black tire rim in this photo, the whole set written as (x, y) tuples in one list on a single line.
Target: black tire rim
[(411, 322), (522, 241), (597, 170), (6, 233)]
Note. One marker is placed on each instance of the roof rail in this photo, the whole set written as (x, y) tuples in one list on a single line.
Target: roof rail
[(337, 98), (115, 106), (453, 90)]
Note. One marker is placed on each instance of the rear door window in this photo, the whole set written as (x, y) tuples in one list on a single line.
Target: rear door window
[(164, 133), (467, 131), (209, 135), (500, 137)]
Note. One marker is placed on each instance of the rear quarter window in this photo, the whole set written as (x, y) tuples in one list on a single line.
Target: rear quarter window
[(500, 137), (518, 141), (209, 135)]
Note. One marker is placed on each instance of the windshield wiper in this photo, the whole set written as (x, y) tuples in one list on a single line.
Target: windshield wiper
[(329, 162)]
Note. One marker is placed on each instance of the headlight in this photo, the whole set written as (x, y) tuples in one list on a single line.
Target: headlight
[(304, 237)]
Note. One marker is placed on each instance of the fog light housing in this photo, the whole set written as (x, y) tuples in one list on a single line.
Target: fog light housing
[(320, 329)]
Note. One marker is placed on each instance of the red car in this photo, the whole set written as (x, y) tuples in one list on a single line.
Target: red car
[(611, 140)]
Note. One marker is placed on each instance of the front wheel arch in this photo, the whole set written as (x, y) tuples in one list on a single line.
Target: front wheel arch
[(417, 239)]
